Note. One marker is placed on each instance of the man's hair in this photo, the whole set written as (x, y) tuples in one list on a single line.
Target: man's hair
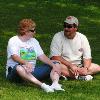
[(25, 25)]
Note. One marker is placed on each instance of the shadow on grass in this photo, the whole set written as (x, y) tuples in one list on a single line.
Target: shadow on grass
[(49, 16)]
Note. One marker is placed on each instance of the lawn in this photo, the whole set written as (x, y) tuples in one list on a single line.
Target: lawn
[(49, 16)]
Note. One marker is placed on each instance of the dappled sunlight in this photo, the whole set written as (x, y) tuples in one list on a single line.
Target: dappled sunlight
[(66, 4), (21, 5), (92, 8), (11, 4), (60, 4), (49, 16), (95, 20), (92, 38)]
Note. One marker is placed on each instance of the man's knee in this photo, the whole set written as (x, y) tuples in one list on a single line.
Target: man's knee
[(64, 70), (93, 67)]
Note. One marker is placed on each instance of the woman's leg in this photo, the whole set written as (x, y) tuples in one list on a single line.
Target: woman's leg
[(29, 77)]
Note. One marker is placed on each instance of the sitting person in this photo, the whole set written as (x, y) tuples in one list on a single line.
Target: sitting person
[(72, 49), (23, 50)]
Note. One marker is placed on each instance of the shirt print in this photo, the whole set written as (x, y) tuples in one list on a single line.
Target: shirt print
[(28, 53)]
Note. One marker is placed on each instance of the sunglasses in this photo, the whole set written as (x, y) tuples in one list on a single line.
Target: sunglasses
[(68, 25), (32, 30)]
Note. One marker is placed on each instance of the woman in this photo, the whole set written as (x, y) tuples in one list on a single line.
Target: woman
[(23, 50)]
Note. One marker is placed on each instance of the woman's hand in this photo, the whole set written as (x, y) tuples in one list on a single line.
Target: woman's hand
[(28, 67)]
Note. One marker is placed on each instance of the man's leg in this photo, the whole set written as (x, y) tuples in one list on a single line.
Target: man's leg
[(66, 72), (93, 69)]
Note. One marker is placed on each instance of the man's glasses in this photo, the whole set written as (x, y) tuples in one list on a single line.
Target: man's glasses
[(32, 31), (68, 25)]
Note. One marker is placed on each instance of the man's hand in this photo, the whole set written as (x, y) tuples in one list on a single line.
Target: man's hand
[(82, 71), (74, 69)]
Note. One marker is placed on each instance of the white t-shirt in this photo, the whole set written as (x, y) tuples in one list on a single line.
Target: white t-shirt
[(29, 50), (71, 50)]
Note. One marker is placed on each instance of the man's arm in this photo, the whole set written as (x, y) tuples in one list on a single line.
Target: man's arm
[(86, 63), (46, 60), (86, 56), (63, 61)]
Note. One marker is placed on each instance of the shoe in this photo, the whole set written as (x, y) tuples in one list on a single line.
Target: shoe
[(57, 87), (86, 78), (80, 77), (46, 88), (63, 77)]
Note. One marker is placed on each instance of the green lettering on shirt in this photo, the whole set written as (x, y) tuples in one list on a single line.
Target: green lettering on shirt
[(27, 54)]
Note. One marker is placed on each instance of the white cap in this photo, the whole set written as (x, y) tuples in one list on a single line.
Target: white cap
[(71, 20)]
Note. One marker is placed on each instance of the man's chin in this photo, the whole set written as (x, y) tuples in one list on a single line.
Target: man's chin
[(70, 37)]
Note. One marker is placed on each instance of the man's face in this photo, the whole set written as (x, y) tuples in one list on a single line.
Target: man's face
[(69, 30)]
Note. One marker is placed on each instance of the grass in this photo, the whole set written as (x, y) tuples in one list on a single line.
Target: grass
[(49, 16)]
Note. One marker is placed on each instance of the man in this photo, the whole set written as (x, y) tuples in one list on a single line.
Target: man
[(72, 49), (23, 50)]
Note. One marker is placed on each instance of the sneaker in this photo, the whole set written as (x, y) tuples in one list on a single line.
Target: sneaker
[(80, 77), (46, 88), (57, 87), (87, 77), (63, 77)]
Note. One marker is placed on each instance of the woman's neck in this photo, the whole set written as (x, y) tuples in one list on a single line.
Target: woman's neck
[(24, 38)]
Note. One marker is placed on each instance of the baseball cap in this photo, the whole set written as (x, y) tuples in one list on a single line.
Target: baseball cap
[(71, 20)]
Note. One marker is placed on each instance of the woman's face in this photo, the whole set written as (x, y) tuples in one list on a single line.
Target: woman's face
[(31, 32)]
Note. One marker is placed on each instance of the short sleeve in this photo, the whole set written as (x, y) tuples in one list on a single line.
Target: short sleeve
[(38, 49), (56, 47), (12, 48), (86, 48)]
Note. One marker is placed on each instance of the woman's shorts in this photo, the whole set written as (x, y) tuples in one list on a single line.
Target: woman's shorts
[(41, 72)]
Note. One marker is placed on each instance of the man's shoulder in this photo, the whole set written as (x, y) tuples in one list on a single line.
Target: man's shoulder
[(81, 35), (59, 34)]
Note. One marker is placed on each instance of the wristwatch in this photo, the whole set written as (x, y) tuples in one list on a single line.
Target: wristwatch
[(55, 62)]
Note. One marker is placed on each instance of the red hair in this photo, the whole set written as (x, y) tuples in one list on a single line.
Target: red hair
[(25, 25)]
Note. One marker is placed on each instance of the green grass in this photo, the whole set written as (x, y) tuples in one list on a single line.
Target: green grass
[(49, 16)]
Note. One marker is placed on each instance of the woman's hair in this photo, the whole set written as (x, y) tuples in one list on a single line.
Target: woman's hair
[(25, 25)]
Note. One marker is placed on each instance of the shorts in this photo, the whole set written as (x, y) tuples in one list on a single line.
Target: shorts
[(40, 72)]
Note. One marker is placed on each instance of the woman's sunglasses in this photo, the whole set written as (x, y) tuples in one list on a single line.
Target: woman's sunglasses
[(32, 30)]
